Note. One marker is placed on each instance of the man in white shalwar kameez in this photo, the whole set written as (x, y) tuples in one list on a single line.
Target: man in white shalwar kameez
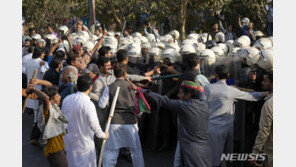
[(123, 128), (35, 63), (83, 125)]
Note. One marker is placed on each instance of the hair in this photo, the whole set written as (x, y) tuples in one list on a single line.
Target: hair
[(193, 92), (26, 40), (121, 55), (83, 83), (222, 71), (51, 91), (269, 74), (37, 52), (73, 73), (55, 62), (102, 61), (60, 54), (192, 60), (104, 50), (70, 58), (119, 70), (31, 49), (32, 29)]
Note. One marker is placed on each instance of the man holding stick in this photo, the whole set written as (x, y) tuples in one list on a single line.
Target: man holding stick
[(123, 129), (83, 125)]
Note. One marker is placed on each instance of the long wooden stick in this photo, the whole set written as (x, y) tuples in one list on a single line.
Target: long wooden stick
[(108, 125), (24, 106)]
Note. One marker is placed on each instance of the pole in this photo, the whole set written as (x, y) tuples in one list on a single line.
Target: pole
[(24, 106), (91, 16), (108, 125)]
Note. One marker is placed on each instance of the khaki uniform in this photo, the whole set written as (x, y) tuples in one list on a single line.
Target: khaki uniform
[(264, 137)]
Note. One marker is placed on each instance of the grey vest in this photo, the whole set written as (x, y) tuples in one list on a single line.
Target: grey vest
[(125, 106)]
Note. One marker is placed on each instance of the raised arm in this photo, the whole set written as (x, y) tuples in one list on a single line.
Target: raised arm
[(249, 96), (40, 82), (41, 96), (55, 46), (221, 27), (99, 43), (239, 22)]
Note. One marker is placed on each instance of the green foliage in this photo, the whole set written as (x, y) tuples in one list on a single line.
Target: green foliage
[(113, 13)]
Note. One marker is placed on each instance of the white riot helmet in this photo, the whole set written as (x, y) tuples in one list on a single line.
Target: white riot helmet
[(80, 40), (266, 59), (63, 29), (111, 34), (193, 36), (218, 51), (117, 34), (234, 51), (258, 34), (136, 34), (135, 46), (241, 42), (168, 38), (156, 53), (137, 40), (229, 43), (224, 47), (246, 39), (175, 34), (251, 55), (123, 41), (186, 49), (36, 36), (204, 37), (134, 55), (173, 46), (208, 54), (151, 38), (262, 44), (65, 45), (88, 46), (188, 42), (219, 37), (83, 34), (172, 54), (146, 45), (50, 37), (133, 52), (207, 62), (111, 42), (159, 45), (144, 39), (199, 48), (42, 41), (245, 21)]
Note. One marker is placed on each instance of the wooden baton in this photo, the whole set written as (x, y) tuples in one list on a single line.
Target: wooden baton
[(24, 106)]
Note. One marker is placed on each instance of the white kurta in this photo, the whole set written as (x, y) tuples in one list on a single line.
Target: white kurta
[(83, 124), (30, 67)]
